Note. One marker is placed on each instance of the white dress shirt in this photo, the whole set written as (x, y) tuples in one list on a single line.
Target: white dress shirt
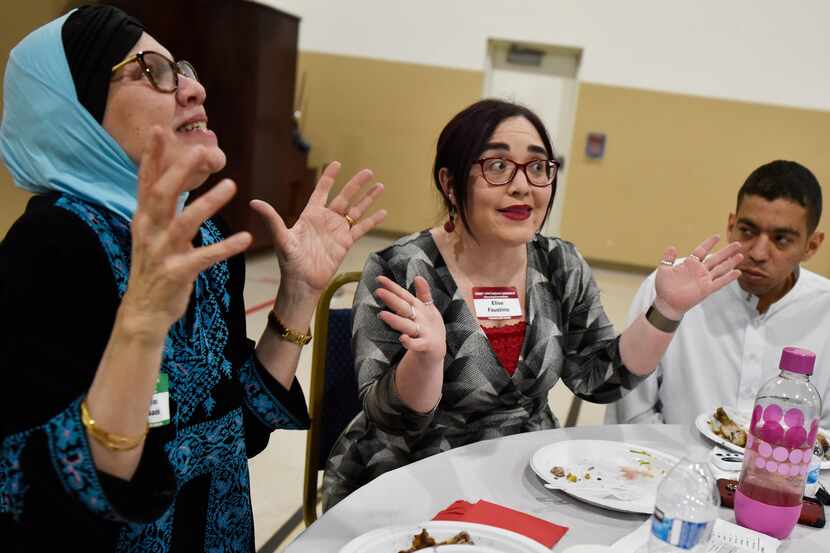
[(724, 351)]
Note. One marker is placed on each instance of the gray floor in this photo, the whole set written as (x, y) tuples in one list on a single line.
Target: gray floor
[(277, 473)]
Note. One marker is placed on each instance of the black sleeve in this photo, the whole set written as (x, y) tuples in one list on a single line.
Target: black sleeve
[(58, 301), (267, 405)]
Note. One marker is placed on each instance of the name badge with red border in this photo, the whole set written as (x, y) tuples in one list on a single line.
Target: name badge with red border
[(494, 303)]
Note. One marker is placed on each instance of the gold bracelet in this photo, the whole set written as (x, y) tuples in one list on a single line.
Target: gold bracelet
[(113, 442), (286, 334)]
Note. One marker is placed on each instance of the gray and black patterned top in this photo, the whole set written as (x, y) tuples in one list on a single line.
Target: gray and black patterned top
[(568, 336)]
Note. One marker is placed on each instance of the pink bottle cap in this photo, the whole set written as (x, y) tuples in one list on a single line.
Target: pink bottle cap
[(797, 360)]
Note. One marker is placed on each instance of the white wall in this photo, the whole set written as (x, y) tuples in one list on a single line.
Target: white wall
[(768, 51)]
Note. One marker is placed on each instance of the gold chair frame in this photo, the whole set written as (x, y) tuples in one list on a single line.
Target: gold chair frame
[(317, 393)]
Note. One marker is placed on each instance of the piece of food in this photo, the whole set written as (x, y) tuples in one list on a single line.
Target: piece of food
[(421, 541), (722, 425), (461, 537), (558, 472), (821, 440), (424, 540), (632, 473), (572, 477)]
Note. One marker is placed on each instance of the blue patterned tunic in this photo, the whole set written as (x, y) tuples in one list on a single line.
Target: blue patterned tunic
[(64, 266)]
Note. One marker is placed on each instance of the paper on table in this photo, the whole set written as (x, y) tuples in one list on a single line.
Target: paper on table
[(726, 538), (731, 537), (636, 541)]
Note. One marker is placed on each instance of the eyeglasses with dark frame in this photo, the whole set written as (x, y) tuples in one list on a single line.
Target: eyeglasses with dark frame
[(162, 72), (499, 171)]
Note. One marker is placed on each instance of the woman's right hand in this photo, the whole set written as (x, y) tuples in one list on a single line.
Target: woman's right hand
[(164, 263), (415, 317)]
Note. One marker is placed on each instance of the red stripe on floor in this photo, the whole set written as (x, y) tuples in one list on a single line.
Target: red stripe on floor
[(260, 306)]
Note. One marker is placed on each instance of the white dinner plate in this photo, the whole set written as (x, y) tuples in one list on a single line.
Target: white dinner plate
[(742, 419), (702, 424), (615, 475), (486, 539)]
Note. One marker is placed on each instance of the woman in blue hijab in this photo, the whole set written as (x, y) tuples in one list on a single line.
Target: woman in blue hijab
[(133, 396)]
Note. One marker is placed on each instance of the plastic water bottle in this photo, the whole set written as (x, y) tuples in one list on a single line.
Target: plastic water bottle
[(685, 510), (779, 448)]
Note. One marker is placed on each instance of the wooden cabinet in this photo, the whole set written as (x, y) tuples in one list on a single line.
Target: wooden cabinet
[(246, 56)]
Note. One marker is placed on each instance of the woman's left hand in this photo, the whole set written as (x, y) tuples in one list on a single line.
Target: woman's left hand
[(311, 251), (681, 287)]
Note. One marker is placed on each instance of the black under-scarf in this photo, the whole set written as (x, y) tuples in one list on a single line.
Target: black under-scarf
[(95, 38)]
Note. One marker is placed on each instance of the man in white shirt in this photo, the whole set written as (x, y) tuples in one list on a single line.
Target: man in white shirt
[(727, 346)]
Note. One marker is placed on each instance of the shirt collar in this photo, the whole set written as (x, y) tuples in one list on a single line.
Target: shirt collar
[(751, 300)]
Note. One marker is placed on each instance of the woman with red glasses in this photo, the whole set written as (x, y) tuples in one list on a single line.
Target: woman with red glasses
[(133, 396), (460, 331)]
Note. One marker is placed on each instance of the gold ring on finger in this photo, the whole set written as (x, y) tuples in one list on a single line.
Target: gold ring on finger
[(695, 257), (411, 311), (350, 220), (417, 330), (667, 263)]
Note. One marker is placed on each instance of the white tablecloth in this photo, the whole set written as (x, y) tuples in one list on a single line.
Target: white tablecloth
[(499, 471)]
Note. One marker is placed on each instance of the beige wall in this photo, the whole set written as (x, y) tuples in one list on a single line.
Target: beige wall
[(19, 19), (672, 168), (385, 116)]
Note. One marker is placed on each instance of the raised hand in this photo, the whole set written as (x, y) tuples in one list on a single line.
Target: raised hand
[(415, 317), (680, 287), (311, 251), (164, 262)]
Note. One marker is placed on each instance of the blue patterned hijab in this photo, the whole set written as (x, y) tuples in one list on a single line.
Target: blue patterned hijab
[(49, 141)]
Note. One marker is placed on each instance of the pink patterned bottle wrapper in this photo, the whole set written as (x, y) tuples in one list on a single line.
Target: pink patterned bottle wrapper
[(783, 443)]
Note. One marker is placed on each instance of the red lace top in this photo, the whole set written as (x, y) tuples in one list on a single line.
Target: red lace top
[(506, 342)]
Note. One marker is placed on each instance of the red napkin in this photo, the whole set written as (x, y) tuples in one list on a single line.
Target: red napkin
[(484, 512)]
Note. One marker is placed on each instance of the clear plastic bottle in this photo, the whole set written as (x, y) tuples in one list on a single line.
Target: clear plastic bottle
[(779, 447), (685, 510)]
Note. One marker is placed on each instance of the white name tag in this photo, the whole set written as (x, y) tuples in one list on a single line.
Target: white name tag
[(159, 414), (494, 303)]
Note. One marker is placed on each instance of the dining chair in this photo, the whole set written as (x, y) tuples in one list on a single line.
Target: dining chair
[(573, 412), (333, 396)]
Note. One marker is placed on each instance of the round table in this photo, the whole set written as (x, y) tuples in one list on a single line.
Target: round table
[(498, 471)]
